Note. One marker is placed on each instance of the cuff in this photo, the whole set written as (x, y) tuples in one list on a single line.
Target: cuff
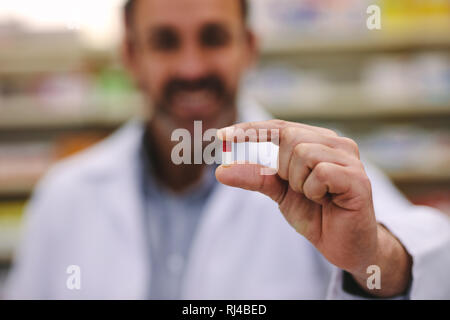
[(343, 287)]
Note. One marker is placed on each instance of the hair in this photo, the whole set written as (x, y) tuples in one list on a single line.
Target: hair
[(129, 7)]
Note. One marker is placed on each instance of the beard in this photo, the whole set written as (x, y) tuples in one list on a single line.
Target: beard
[(184, 102), (206, 99)]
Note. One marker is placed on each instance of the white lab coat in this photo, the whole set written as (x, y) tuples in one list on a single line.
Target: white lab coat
[(87, 212)]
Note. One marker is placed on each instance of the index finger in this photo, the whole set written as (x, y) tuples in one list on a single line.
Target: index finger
[(252, 130)]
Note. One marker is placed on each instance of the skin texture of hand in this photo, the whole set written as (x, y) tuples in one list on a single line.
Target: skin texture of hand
[(324, 193)]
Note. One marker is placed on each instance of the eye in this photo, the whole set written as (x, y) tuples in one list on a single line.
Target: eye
[(164, 39), (214, 35)]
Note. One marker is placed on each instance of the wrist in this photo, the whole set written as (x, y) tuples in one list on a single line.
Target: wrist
[(394, 263)]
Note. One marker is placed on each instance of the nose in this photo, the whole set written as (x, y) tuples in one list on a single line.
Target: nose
[(192, 63)]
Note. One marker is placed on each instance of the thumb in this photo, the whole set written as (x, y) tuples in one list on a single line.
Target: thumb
[(251, 177)]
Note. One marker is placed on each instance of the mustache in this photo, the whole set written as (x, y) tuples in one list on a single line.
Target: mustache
[(211, 83)]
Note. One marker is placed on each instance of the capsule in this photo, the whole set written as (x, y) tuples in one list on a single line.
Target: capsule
[(227, 153)]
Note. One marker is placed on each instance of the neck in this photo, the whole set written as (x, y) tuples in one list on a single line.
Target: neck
[(177, 178)]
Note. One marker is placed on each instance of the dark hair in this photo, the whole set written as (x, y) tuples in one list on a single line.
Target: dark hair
[(129, 6)]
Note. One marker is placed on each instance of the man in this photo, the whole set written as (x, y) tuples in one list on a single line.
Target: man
[(134, 225)]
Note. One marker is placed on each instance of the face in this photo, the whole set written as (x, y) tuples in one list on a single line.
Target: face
[(188, 56)]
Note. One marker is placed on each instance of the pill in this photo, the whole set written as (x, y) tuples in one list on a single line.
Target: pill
[(227, 153)]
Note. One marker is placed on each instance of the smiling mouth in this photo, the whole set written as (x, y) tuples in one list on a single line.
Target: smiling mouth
[(197, 104)]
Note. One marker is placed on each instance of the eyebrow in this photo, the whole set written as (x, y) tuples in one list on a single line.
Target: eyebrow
[(220, 24), (155, 31)]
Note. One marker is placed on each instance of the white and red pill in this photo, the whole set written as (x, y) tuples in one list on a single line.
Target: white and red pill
[(227, 153)]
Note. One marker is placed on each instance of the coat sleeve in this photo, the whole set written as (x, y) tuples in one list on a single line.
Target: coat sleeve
[(423, 231)]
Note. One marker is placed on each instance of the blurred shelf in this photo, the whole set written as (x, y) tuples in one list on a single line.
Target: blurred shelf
[(421, 177), (5, 260), (365, 44), (16, 191), (26, 114), (26, 63), (350, 102), (26, 122), (25, 52), (32, 62), (343, 113), (29, 68), (10, 232)]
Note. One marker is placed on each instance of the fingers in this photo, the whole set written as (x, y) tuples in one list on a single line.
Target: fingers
[(306, 156), (288, 135), (291, 137), (272, 126), (346, 185), (315, 162), (249, 177), (303, 215), (324, 179)]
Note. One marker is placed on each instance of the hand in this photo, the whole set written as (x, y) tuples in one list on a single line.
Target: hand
[(324, 193)]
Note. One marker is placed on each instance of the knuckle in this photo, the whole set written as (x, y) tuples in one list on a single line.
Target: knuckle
[(321, 171), (351, 144), (311, 193), (289, 134), (365, 180), (307, 190), (302, 150), (358, 174), (251, 125)]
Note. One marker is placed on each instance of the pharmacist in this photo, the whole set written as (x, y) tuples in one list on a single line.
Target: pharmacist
[(121, 220)]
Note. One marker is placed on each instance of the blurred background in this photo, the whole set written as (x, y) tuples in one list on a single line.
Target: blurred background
[(62, 87)]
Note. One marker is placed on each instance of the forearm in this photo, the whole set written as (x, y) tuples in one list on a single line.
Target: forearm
[(395, 264)]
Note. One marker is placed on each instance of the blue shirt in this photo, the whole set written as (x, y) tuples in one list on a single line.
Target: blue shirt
[(172, 222)]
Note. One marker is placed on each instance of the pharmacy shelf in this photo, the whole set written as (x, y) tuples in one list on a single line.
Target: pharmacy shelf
[(349, 102), (6, 258), (339, 112), (26, 53), (64, 122), (421, 177), (10, 233), (26, 120), (364, 44), (24, 64), (16, 190), (26, 114)]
